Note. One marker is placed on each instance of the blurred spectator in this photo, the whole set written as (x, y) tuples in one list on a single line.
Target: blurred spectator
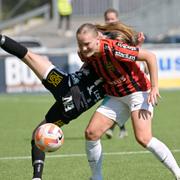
[(65, 13), (111, 16)]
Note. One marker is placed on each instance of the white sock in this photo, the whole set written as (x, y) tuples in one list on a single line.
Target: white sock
[(94, 155), (162, 152)]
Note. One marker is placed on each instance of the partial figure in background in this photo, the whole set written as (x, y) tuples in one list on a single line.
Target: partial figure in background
[(65, 12), (112, 16)]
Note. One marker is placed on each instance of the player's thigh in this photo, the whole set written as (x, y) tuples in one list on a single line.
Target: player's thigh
[(98, 124), (56, 115), (115, 109), (141, 121)]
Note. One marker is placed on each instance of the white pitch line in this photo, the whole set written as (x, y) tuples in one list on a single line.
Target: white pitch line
[(82, 155)]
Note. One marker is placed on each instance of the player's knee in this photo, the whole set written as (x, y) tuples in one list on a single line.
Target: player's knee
[(143, 140), (91, 135)]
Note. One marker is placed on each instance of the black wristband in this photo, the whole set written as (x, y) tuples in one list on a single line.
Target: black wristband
[(12, 47)]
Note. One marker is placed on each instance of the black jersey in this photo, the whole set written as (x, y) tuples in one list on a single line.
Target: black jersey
[(74, 93)]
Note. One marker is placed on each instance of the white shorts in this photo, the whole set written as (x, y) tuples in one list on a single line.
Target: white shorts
[(119, 108)]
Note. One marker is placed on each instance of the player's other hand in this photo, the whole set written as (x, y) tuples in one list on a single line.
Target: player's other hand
[(141, 39), (153, 96)]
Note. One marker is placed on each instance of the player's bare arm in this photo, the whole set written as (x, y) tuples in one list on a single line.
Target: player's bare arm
[(151, 61)]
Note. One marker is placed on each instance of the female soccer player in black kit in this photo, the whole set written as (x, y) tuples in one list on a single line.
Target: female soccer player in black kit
[(74, 93)]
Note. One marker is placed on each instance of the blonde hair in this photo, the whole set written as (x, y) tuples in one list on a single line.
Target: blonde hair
[(86, 28), (123, 32)]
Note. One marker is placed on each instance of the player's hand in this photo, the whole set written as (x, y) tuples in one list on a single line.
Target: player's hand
[(153, 96), (141, 39)]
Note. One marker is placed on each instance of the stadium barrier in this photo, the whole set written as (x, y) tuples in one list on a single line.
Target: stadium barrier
[(16, 77), (168, 67)]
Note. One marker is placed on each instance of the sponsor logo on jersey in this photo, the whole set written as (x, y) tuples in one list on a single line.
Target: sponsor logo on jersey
[(75, 78), (118, 82), (125, 46), (68, 103), (126, 56), (94, 92), (110, 66), (54, 78)]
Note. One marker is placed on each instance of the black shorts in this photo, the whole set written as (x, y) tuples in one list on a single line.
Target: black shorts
[(57, 115), (74, 94), (57, 83)]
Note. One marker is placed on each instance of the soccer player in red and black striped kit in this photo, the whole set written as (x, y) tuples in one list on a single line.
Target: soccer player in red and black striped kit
[(129, 94)]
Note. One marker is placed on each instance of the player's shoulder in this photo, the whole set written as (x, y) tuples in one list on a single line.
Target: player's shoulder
[(108, 41)]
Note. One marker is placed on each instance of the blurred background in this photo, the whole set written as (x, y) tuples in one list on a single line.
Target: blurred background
[(35, 24)]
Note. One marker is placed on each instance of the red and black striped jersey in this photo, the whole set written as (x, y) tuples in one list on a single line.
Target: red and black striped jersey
[(118, 68)]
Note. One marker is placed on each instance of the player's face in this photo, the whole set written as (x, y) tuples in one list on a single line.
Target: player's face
[(88, 44), (111, 17)]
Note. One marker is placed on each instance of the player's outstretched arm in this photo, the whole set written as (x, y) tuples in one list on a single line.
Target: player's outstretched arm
[(39, 64)]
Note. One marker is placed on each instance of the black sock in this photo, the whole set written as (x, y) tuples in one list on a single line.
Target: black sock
[(12, 47), (123, 128), (38, 157)]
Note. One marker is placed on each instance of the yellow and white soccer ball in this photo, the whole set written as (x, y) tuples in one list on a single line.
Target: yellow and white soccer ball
[(49, 137)]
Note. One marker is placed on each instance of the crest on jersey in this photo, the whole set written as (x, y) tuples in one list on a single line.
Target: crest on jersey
[(54, 78), (110, 66)]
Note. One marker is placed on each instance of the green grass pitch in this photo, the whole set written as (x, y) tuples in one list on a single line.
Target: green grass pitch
[(123, 159)]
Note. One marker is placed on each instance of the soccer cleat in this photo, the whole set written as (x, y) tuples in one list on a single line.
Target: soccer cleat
[(109, 133), (36, 178), (123, 134)]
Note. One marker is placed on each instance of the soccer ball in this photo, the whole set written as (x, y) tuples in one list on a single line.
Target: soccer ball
[(49, 137)]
